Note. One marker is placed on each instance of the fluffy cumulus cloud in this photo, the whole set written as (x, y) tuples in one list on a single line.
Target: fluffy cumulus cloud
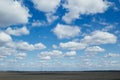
[(94, 49), (9, 47), (20, 55), (51, 53), (46, 55), (99, 37), (39, 46), (7, 42), (54, 46), (76, 8), (70, 54), (66, 31), (49, 7), (51, 17), (71, 45), (95, 38), (25, 46), (45, 5), (5, 51), (17, 31), (4, 38), (37, 23), (112, 55), (13, 12)]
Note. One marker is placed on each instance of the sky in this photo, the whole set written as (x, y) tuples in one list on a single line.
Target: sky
[(59, 35)]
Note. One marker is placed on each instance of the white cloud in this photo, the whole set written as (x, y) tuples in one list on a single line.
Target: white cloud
[(112, 55), (20, 55), (76, 8), (17, 31), (46, 5), (71, 45), (95, 38), (13, 12), (66, 31), (37, 23), (4, 38), (42, 5), (51, 17), (54, 46), (39, 46), (25, 46), (70, 54), (6, 41), (45, 57), (4, 51), (94, 49), (55, 53), (107, 26), (99, 37)]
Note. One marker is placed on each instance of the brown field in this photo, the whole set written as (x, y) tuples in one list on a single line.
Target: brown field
[(95, 75)]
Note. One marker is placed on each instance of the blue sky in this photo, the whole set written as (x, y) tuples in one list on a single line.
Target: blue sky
[(62, 35)]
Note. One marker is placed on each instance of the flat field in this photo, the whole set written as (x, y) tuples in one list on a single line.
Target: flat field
[(92, 75)]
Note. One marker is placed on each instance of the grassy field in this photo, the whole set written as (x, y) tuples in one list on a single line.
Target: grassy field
[(95, 75)]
